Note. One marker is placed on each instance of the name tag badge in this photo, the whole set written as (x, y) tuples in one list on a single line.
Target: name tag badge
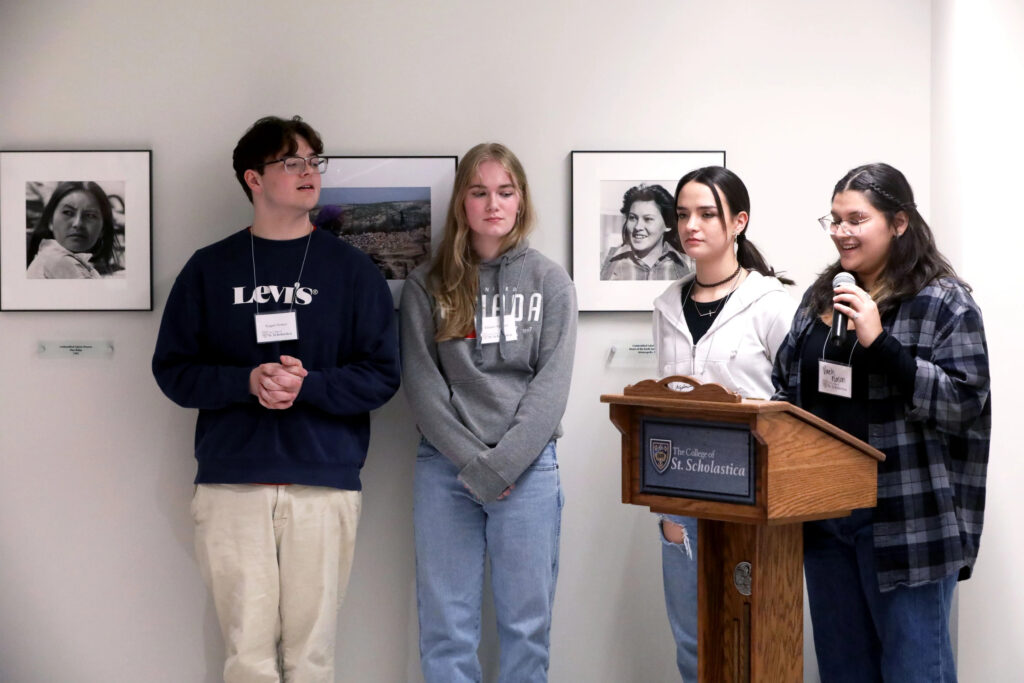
[(276, 327), (835, 379), (489, 335)]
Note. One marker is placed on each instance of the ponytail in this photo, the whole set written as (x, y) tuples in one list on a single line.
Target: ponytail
[(750, 258)]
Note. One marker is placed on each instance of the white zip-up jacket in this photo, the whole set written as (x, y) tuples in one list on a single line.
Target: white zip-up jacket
[(739, 349)]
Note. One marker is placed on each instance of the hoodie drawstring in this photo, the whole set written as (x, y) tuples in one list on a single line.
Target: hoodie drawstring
[(478, 323), (504, 260), (501, 306)]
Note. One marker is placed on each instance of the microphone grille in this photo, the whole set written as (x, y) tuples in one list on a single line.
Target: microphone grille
[(843, 278)]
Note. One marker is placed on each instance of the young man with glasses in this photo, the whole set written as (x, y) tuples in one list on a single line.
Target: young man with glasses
[(283, 337)]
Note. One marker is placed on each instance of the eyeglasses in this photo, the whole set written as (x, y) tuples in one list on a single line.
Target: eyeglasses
[(296, 165), (851, 226)]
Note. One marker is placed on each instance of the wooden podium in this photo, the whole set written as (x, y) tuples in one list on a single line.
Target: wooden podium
[(751, 471)]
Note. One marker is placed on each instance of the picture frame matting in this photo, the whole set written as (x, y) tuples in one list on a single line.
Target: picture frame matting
[(601, 183), (93, 251)]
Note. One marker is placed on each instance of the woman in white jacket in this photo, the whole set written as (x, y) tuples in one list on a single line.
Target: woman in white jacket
[(722, 324)]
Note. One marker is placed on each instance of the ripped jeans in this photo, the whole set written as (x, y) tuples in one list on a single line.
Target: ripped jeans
[(679, 573)]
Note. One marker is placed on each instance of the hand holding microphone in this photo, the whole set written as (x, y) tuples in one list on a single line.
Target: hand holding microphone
[(852, 302), (839, 319)]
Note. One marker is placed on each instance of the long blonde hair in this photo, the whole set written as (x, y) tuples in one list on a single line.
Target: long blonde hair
[(452, 279)]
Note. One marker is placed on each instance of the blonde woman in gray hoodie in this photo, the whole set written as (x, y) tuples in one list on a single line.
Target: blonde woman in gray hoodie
[(488, 331), (722, 324)]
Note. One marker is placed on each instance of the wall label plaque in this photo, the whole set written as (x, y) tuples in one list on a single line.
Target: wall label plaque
[(75, 349), (700, 460), (635, 353)]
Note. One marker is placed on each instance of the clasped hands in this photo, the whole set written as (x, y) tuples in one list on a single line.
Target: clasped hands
[(277, 385)]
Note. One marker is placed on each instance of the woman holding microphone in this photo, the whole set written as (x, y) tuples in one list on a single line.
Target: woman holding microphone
[(721, 324), (915, 386)]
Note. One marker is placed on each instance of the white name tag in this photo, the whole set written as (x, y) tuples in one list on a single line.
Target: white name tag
[(276, 327), (835, 379), (489, 335)]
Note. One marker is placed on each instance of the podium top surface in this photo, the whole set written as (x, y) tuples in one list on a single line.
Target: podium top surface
[(717, 400)]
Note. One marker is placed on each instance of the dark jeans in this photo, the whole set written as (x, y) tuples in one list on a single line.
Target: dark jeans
[(862, 635)]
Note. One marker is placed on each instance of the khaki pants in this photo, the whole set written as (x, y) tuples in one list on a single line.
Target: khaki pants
[(277, 561)]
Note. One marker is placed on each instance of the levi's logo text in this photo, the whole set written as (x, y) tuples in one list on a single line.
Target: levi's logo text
[(265, 294)]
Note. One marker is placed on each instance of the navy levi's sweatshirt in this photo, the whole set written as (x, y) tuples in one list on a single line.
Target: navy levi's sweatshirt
[(347, 341)]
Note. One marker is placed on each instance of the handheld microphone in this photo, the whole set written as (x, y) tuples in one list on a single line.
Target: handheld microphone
[(839, 320)]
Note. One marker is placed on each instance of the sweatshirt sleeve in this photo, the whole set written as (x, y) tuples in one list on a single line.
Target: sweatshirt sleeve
[(368, 373), (541, 408), (783, 308), (656, 323), (784, 353), (899, 365), (181, 371)]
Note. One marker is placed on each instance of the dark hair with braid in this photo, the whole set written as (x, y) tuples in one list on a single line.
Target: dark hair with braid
[(913, 260), (721, 180)]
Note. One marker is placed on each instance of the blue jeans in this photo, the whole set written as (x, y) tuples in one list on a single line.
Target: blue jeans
[(860, 633), (679, 574), (454, 532)]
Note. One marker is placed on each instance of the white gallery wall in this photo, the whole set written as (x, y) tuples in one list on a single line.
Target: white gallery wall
[(978, 143), (97, 574)]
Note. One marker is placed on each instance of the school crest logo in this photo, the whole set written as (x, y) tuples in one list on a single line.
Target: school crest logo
[(661, 454)]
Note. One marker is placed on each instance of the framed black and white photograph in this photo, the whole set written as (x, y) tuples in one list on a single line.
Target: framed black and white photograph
[(76, 231), (625, 247), (391, 208)]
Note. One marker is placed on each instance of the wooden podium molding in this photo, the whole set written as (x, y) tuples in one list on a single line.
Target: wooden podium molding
[(750, 582)]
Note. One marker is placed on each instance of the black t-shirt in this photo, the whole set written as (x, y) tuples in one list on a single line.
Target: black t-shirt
[(849, 414), (699, 324)]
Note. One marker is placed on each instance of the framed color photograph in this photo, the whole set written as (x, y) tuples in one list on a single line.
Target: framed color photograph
[(392, 208), (625, 248), (76, 231)]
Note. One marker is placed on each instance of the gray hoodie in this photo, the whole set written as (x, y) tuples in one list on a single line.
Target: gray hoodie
[(492, 407)]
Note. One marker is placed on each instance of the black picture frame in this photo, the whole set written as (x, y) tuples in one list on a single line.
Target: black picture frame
[(115, 273), (600, 180)]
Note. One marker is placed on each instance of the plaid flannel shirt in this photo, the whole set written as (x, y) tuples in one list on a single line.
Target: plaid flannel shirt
[(931, 487)]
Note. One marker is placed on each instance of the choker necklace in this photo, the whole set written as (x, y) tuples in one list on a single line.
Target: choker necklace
[(720, 282)]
